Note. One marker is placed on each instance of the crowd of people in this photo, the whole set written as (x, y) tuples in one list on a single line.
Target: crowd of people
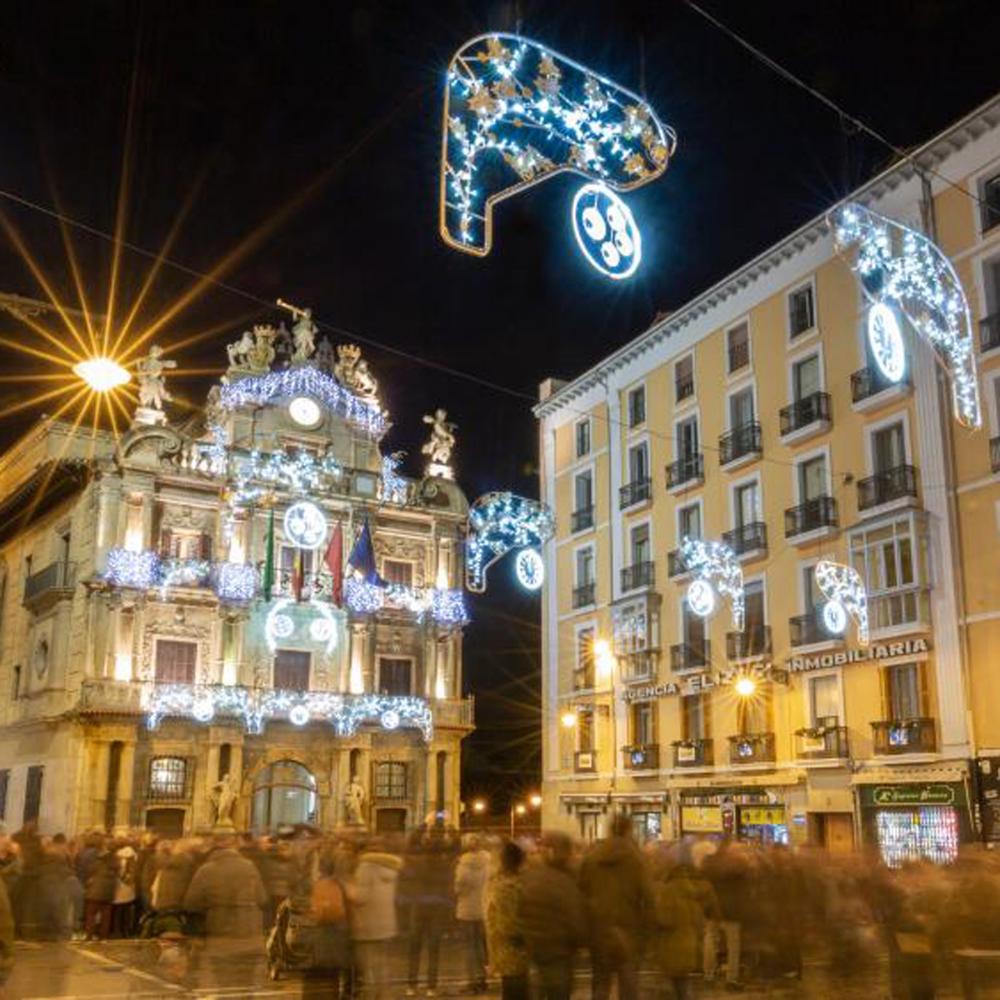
[(668, 918)]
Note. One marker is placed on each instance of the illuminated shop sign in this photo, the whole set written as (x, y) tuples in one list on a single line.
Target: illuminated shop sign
[(911, 795), (696, 683), (876, 651)]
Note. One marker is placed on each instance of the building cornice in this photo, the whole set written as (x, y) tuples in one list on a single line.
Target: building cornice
[(925, 158)]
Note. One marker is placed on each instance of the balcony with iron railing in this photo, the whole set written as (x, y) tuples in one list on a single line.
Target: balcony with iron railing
[(750, 644), (811, 519), (751, 748), (686, 472), (899, 736), (54, 583), (676, 567), (747, 539), (871, 389), (995, 454), (640, 574), (642, 757), (805, 417), (583, 596), (897, 486), (634, 493), (690, 656), (582, 519), (821, 742), (740, 445), (989, 333), (693, 753), (808, 630)]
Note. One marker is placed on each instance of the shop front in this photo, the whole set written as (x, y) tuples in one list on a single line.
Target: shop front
[(911, 822), (752, 815)]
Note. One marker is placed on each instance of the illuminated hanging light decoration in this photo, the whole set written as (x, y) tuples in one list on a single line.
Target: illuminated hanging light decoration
[(235, 583), (395, 488), (530, 569), (897, 266), (290, 383), (305, 525), (499, 523), (136, 570), (845, 595), (256, 474), (517, 113), (716, 569), (446, 607)]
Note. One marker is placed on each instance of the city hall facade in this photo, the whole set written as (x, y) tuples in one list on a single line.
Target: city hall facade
[(756, 416)]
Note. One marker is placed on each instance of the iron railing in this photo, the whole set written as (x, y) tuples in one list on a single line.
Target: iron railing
[(693, 753), (868, 382), (749, 537), (686, 470), (751, 748), (642, 757), (56, 580), (640, 574), (803, 412), (808, 630), (584, 595), (989, 332), (740, 442), (690, 655), (821, 743), (636, 492), (885, 487), (894, 736), (820, 512), (582, 518), (749, 643)]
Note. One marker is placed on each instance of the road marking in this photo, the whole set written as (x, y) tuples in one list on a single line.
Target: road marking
[(131, 970)]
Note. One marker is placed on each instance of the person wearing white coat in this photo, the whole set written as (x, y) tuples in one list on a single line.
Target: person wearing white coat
[(471, 874), (372, 895)]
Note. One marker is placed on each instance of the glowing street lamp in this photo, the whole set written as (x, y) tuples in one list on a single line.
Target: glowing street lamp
[(568, 719), (102, 374), (745, 687), (479, 806), (536, 801)]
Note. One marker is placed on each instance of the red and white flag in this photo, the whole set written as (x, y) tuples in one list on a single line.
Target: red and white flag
[(334, 559)]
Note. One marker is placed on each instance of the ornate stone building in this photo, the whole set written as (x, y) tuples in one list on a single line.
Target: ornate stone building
[(177, 639)]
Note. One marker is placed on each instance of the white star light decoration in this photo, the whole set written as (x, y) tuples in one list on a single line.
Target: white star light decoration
[(899, 267), (517, 113), (715, 568), (498, 524), (845, 595)]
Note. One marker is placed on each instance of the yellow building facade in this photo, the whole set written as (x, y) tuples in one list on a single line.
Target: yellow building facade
[(755, 416)]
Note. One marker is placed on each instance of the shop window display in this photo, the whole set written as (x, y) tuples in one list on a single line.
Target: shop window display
[(905, 835)]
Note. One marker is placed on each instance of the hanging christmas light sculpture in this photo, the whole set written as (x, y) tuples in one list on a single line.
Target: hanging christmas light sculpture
[(715, 568), (516, 113), (499, 523), (845, 595), (901, 268)]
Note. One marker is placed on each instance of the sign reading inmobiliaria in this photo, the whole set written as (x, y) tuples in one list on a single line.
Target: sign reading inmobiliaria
[(876, 651)]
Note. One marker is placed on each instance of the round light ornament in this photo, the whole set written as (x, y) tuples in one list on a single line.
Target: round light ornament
[(390, 719), (203, 711), (606, 232), (701, 598), (282, 626), (298, 715), (885, 340), (834, 617), (321, 630), (530, 569), (305, 411), (305, 525)]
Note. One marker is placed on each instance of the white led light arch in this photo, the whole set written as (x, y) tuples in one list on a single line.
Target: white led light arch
[(845, 594), (716, 569), (498, 524), (606, 232)]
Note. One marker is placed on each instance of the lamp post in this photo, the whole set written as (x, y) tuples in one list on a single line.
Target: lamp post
[(519, 809), (479, 809)]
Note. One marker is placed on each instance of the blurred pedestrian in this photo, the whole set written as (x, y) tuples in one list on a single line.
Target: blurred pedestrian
[(372, 912), (6, 937), (99, 892), (331, 940), (508, 956), (471, 873), (728, 871), (428, 879)]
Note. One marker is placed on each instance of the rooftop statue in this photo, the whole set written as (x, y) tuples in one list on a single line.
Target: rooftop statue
[(254, 352), (440, 444), (303, 332), (352, 372), (152, 386)]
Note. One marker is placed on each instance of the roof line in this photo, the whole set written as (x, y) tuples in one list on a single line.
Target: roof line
[(807, 234)]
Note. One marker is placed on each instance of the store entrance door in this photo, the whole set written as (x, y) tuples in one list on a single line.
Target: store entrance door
[(834, 832), (167, 824), (390, 821), (284, 793)]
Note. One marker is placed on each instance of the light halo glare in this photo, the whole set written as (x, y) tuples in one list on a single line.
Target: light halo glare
[(102, 374)]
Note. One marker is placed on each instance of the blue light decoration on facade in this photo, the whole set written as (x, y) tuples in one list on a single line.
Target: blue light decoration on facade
[(300, 471), (897, 266), (445, 607), (716, 568), (146, 570), (280, 386), (395, 488), (498, 524), (517, 113), (606, 232), (235, 583), (134, 570)]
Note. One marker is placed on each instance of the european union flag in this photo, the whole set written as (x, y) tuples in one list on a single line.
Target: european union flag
[(362, 558)]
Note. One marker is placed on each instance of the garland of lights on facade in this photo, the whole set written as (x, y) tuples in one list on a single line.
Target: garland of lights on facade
[(715, 568), (499, 523), (517, 113), (845, 594), (898, 266)]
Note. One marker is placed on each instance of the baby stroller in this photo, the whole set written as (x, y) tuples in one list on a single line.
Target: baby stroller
[(297, 943), (169, 933)]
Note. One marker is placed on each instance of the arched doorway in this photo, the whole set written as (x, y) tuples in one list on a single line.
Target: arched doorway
[(284, 793)]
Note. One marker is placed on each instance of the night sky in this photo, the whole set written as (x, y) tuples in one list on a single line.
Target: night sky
[(311, 138)]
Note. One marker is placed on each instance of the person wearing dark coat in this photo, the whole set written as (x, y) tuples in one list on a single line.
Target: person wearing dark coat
[(99, 894), (682, 899), (617, 888), (551, 917), (426, 886)]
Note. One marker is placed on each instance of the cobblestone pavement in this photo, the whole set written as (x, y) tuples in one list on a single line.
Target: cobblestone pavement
[(127, 970)]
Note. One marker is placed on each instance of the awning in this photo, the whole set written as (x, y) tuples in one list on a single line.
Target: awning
[(737, 781), (956, 771)]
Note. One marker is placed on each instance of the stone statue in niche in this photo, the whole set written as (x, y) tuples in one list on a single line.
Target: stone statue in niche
[(225, 792), (354, 801)]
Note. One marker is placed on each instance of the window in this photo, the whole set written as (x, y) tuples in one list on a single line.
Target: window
[(812, 478), (584, 679), (583, 491), (186, 544), (741, 408), (801, 311), (398, 571), (738, 347), (585, 730), (687, 439), (33, 794), (806, 377), (638, 463), (684, 378), (812, 596), (746, 504), (991, 285), (639, 544), (585, 567), (888, 447), (904, 694), (394, 675), (989, 196), (16, 683), (689, 522), (175, 661), (753, 608), (693, 631), (291, 670), (824, 700), (583, 438), (753, 715), (694, 717), (287, 557), (643, 724), (168, 778), (4, 788), (390, 779), (886, 556), (637, 406)]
